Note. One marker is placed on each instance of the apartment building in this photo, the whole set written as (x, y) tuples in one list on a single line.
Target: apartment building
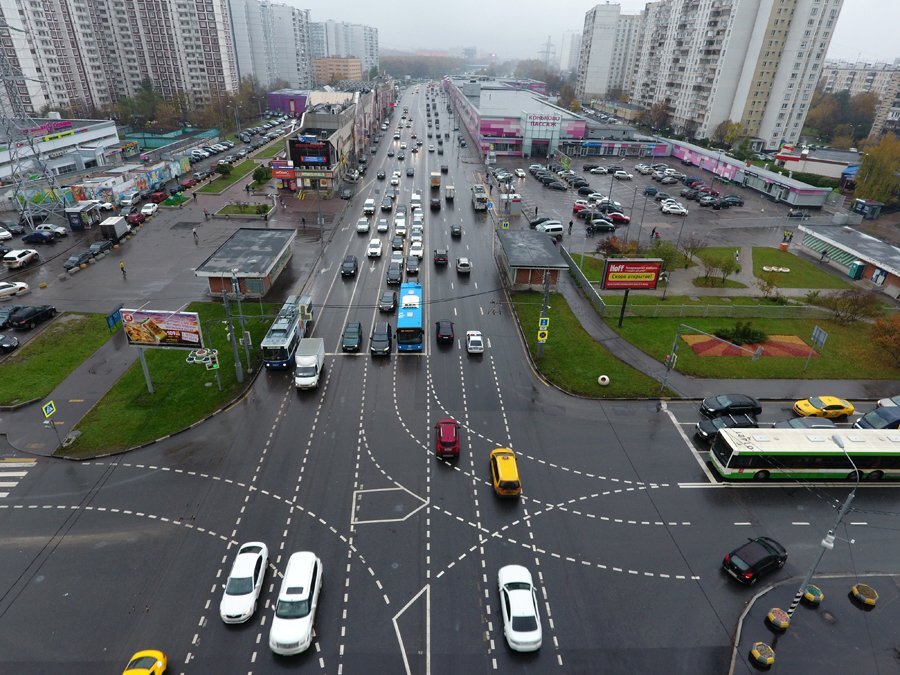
[(857, 78), (328, 70), (344, 40), (271, 42), (608, 51), (569, 51)]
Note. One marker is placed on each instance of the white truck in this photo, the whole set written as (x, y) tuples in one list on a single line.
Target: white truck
[(310, 362), (114, 228), (449, 193), (369, 207)]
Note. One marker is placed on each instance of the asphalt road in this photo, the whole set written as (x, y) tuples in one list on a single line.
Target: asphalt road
[(619, 522)]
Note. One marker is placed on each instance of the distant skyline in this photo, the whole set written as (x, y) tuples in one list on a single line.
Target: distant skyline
[(866, 29)]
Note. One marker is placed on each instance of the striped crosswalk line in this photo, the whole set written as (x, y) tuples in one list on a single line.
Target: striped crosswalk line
[(10, 469)]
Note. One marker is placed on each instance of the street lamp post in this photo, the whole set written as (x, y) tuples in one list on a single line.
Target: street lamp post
[(236, 287), (237, 120)]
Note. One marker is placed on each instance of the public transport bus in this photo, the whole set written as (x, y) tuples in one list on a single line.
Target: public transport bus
[(280, 343), (817, 454), (410, 326)]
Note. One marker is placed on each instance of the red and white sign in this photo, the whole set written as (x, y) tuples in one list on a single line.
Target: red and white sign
[(623, 274), (548, 120)]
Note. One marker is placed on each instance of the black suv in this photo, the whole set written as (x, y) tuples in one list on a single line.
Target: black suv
[(394, 274), (441, 256), (29, 317), (388, 301), (708, 429), (350, 266), (381, 341), (444, 331), (351, 340), (757, 557)]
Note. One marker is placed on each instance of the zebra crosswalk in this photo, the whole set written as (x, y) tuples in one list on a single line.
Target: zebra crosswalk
[(12, 471)]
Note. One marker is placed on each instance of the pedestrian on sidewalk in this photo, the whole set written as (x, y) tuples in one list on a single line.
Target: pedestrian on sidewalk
[(196, 237), (737, 256), (247, 188), (283, 205), (194, 195), (122, 267), (535, 212), (570, 228), (824, 253), (652, 233), (790, 237), (303, 222), (205, 214)]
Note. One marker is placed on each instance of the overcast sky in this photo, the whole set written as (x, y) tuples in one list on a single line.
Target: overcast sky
[(867, 29)]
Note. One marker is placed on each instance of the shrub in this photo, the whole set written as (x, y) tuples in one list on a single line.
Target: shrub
[(261, 174), (224, 169), (743, 333), (852, 305)]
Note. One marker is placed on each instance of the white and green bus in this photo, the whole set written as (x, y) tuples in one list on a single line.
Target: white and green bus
[(817, 454)]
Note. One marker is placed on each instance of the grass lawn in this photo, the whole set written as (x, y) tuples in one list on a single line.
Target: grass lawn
[(848, 353), (592, 267), (244, 209), (572, 359), (36, 369), (804, 273), (175, 200), (270, 151), (655, 298), (223, 182), (128, 416)]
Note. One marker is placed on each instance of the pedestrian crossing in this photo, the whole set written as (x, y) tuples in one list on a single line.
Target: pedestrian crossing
[(12, 471)]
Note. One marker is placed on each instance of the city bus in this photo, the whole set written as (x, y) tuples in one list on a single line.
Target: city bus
[(410, 326), (817, 454), (280, 343)]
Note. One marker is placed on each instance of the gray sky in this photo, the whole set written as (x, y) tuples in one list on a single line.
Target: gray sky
[(866, 28)]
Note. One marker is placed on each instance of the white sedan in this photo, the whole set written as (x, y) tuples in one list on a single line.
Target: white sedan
[(519, 605), (622, 175), (599, 171), (244, 583), (417, 248), (474, 342), (149, 209), (430, 148), (520, 173), (395, 180), (375, 248), (383, 225), (674, 208), (11, 288), (5, 234), (403, 146), (362, 224)]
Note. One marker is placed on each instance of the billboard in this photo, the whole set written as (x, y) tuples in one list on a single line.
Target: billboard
[(623, 274), (150, 328)]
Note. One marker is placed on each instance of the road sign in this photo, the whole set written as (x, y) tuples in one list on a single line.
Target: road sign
[(542, 336), (49, 409), (490, 206), (504, 224), (544, 323)]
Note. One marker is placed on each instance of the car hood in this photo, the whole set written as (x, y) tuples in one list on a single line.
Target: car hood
[(236, 605), (287, 631)]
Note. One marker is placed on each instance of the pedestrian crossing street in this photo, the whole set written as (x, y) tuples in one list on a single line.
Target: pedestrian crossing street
[(12, 471)]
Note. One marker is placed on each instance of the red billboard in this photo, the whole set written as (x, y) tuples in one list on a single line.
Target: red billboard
[(624, 274)]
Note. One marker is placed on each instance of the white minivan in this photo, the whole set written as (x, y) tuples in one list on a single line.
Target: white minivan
[(295, 609), (552, 227)]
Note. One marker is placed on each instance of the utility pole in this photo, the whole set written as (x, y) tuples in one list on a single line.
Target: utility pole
[(544, 307), (238, 368)]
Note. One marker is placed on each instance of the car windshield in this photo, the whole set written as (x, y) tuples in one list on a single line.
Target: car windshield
[(142, 663), (239, 586), (524, 624), (816, 402), (292, 609), (306, 371)]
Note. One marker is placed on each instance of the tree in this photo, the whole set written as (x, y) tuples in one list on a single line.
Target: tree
[(666, 251), (691, 245), (727, 132), (224, 169), (885, 334), (261, 174), (876, 177), (852, 305), (658, 114)]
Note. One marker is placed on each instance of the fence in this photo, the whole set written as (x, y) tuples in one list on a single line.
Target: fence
[(589, 292), (666, 311)]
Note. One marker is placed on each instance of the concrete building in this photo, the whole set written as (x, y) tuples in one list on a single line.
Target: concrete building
[(271, 42), (857, 78), (756, 62), (331, 69), (345, 40), (253, 256), (607, 56), (569, 50)]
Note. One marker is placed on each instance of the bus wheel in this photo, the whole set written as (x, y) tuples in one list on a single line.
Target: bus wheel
[(761, 475), (875, 475), (854, 475)]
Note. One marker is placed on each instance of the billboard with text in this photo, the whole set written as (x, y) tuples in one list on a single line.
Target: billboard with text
[(624, 274), (150, 328)]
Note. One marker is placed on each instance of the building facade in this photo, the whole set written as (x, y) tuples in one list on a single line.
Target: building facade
[(857, 78), (607, 56), (345, 40), (271, 42), (570, 48), (331, 69)]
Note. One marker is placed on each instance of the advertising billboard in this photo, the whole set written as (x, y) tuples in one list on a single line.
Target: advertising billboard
[(308, 150), (623, 274), (153, 328)]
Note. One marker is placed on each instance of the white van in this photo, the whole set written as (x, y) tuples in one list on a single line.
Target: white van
[(295, 609), (130, 198), (369, 207), (552, 227)]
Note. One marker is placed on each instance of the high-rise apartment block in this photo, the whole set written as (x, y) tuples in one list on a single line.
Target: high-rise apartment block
[(569, 50), (345, 40), (272, 42), (881, 79), (755, 62)]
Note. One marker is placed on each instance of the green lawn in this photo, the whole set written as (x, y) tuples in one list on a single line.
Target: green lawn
[(37, 368), (655, 298), (848, 352), (253, 209), (238, 172), (804, 273), (572, 360), (591, 266), (184, 393), (270, 151), (716, 282)]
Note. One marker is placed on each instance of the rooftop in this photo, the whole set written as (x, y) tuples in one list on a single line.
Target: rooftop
[(497, 100), (253, 251), (865, 247), (526, 248)]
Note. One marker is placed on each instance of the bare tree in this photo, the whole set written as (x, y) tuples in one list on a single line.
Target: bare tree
[(690, 245)]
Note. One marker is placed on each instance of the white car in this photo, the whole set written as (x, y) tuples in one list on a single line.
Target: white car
[(395, 180), (375, 248), (295, 608), (520, 173), (397, 257), (400, 228), (596, 197), (11, 288), (519, 606), (403, 145), (20, 257), (463, 265), (675, 209), (430, 148), (5, 234), (382, 225), (417, 248), (55, 230), (244, 583), (643, 169), (599, 171), (418, 219), (149, 209), (474, 342), (416, 235), (888, 402), (105, 206), (362, 225), (622, 175)]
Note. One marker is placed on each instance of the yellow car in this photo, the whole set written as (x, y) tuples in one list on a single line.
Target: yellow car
[(505, 473), (823, 406), (147, 662)]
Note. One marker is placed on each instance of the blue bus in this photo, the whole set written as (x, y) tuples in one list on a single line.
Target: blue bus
[(410, 326), (280, 343)]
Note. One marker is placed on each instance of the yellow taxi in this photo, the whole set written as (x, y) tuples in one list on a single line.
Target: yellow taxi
[(823, 406), (505, 473), (147, 662)]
